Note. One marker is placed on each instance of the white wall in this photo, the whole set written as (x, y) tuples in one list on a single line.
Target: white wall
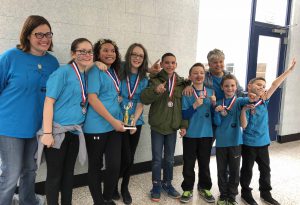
[(160, 25), (290, 112)]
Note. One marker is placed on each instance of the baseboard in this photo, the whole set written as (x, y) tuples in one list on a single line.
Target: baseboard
[(81, 179), (288, 138)]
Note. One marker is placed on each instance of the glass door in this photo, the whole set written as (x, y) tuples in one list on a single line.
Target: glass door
[(267, 49)]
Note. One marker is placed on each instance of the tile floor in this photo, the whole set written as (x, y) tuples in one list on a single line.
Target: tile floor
[(285, 165)]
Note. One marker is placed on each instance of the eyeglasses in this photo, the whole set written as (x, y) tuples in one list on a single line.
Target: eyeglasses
[(85, 52), (40, 35), (136, 56)]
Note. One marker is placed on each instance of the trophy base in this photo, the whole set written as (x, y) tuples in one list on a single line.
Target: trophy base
[(129, 127)]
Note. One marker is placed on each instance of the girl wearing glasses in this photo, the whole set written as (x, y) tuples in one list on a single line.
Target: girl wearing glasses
[(103, 123), (134, 80), (24, 71), (64, 114)]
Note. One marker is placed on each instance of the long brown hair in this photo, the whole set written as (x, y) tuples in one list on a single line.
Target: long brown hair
[(30, 24)]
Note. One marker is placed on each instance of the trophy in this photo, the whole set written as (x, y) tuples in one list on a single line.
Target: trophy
[(128, 121)]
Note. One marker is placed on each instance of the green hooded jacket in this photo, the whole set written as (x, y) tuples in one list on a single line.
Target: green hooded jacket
[(164, 119)]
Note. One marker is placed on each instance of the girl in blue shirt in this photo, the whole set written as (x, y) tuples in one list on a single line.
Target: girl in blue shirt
[(103, 122), (24, 71), (133, 82), (64, 113), (198, 138)]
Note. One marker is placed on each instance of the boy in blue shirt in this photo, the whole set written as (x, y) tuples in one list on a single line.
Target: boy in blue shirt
[(197, 138), (228, 140), (256, 139)]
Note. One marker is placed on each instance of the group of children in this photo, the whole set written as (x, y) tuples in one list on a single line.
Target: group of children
[(209, 109)]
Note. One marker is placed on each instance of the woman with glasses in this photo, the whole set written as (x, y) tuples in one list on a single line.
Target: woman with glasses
[(64, 113), (133, 81), (103, 122), (24, 71)]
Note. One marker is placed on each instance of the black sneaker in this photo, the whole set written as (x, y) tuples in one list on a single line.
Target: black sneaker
[(248, 199), (186, 196), (126, 196), (116, 195), (268, 199), (206, 195), (110, 202)]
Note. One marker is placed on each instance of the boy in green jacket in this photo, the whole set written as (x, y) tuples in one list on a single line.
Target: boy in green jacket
[(164, 95)]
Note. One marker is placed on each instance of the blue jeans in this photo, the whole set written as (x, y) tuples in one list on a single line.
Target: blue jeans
[(17, 162), (160, 142)]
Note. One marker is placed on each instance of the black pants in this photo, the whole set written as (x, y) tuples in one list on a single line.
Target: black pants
[(200, 149), (129, 144), (108, 143), (228, 157), (60, 170), (260, 155)]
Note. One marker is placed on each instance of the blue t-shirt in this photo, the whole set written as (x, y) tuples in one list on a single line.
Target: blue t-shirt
[(136, 97), (229, 132), (257, 131), (64, 86), (217, 87), (100, 83), (200, 123), (23, 79)]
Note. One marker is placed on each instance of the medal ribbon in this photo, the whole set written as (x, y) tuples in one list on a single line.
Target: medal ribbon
[(230, 104), (172, 83), (115, 80), (82, 86), (130, 94), (202, 94), (258, 103)]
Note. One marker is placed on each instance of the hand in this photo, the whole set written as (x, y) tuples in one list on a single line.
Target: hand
[(219, 108), (155, 68), (119, 126), (101, 66), (198, 102), (248, 107), (292, 65), (182, 132), (47, 140), (251, 96), (188, 91), (132, 131), (161, 88), (213, 100), (264, 96)]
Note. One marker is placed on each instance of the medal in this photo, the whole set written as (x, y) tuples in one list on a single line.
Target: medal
[(224, 113), (170, 104), (253, 111), (83, 85), (172, 83), (132, 91), (130, 103), (39, 66)]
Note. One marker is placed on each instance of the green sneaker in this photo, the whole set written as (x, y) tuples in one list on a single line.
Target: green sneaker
[(222, 202), (186, 196), (232, 202), (207, 196)]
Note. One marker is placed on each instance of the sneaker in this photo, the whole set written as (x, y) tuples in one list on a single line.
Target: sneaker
[(186, 196), (206, 195), (110, 202), (231, 202), (116, 195), (221, 202), (155, 193), (248, 199), (268, 199), (170, 190)]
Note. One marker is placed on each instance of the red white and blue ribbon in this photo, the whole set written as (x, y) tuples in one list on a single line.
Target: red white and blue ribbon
[(202, 93), (172, 83), (136, 83), (230, 104), (82, 85), (115, 79)]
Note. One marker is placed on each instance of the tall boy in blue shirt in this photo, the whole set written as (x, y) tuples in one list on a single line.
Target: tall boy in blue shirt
[(256, 139)]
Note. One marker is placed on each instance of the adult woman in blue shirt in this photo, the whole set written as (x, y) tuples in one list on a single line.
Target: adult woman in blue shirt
[(24, 71)]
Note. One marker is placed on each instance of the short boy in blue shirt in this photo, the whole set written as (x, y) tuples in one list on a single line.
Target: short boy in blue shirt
[(256, 139), (228, 135), (197, 138)]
